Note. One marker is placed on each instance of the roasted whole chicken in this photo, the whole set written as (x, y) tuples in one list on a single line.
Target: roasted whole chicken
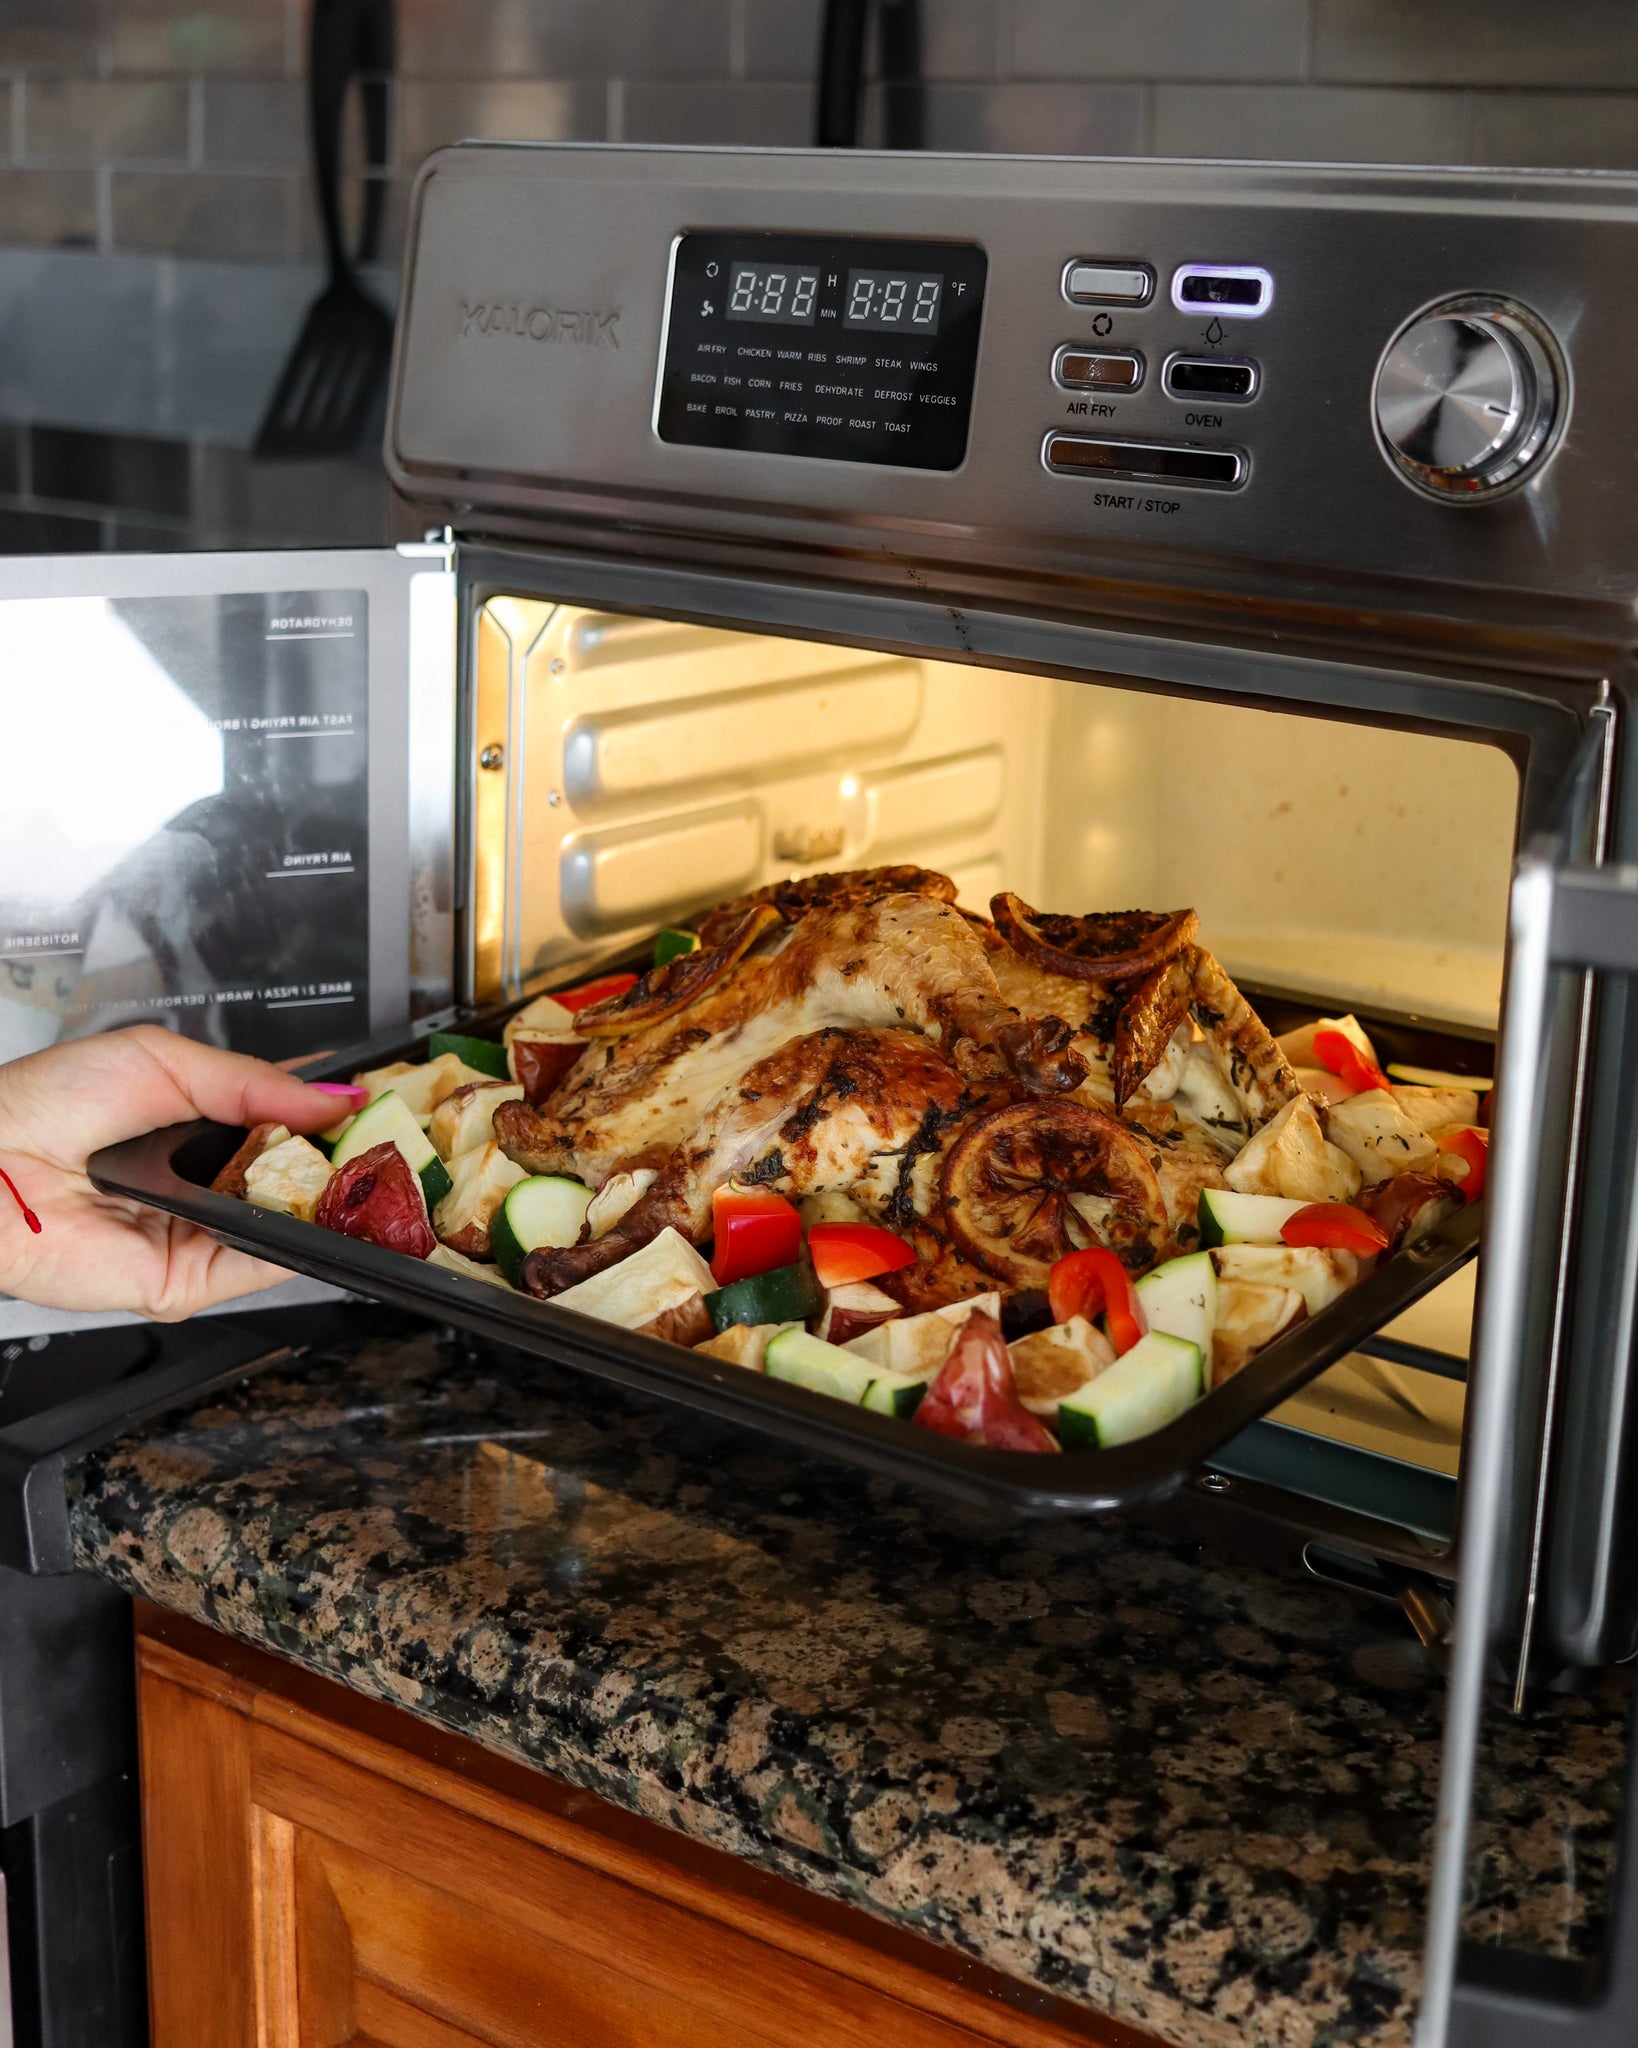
[(1000, 1093)]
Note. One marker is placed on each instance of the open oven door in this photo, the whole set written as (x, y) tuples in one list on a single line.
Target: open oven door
[(230, 805), (1544, 1506), (231, 795)]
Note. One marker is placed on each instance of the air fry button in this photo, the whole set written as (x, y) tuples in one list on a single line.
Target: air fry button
[(1081, 369)]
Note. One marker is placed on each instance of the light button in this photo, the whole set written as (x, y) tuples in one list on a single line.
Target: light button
[(1084, 369), (1089, 283)]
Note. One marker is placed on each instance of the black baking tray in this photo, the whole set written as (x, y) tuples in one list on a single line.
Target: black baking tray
[(172, 1170)]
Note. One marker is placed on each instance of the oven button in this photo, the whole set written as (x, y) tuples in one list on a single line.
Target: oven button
[(1469, 398), (1109, 369), (1088, 282)]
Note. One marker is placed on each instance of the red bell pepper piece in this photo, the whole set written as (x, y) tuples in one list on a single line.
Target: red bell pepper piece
[(1092, 1282), (1337, 1227), (755, 1230), (1473, 1148), (842, 1252), (976, 1397), (1338, 1054), (591, 992)]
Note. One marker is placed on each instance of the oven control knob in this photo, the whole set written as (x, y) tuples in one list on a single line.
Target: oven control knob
[(1469, 398)]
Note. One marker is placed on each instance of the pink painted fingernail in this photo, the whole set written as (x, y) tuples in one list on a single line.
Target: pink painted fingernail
[(342, 1088)]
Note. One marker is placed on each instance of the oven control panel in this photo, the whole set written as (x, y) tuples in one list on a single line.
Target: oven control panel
[(1202, 376), (1059, 374), (849, 347)]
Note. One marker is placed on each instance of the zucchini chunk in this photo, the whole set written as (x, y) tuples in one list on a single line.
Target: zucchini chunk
[(546, 1210), (388, 1121), (1153, 1384), (479, 1055), (789, 1294), (1180, 1298), (1228, 1218)]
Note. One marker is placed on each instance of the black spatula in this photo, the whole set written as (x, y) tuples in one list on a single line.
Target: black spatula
[(327, 392)]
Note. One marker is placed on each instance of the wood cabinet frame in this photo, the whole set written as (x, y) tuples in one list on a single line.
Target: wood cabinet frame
[(323, 1869)]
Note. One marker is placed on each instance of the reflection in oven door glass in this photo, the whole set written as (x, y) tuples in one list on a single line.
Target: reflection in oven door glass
[(188, 841)]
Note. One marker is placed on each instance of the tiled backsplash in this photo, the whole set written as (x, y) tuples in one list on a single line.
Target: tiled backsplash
[(178, 125), (171, 134)]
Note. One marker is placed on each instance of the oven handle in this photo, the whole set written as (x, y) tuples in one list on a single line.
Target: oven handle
[(1563, 919)]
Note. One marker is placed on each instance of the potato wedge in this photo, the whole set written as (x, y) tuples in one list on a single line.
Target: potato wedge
[(544, 1015), (1250, 1315), (1291, 1156), (453, 1261), (482, 1179), (258, 1139), (743, 1344), (1379, 1136), (1318, 1274), (852, 1309), (620, 1192), (1048, 1365), (288, 1177), (686, 1322), (920, 1344), (636, 1293), (466, 1117), (1435, 1109)]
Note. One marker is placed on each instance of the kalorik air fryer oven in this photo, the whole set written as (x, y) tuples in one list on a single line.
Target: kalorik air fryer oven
[(1248, 536)]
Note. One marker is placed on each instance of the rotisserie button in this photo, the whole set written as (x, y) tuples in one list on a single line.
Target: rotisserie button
[(1091, 282)]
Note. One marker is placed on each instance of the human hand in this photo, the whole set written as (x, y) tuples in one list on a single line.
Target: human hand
[(96, 1251)]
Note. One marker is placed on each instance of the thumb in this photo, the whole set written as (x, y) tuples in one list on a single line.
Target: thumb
[(66, 1102), (232, 1088)]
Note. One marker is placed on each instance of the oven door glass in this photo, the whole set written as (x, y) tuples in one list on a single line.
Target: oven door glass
[(230, 795), (1546, 1525)]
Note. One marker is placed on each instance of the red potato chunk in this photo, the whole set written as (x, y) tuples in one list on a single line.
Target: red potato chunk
[(377, 1197)]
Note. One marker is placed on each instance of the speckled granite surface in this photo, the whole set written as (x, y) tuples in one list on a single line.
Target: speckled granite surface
[(1186, 1794)]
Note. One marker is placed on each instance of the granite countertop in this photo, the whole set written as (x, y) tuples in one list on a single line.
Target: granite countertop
[(1184, 1793)]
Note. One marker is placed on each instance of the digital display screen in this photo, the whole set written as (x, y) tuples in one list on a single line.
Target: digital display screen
[(894, 300), (769, 291), (849, 348)]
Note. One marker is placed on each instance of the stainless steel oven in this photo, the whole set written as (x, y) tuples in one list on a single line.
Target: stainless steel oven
[(1255, 537)]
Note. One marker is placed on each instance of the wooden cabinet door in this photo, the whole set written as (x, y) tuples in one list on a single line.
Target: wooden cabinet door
[(312, 1883)]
